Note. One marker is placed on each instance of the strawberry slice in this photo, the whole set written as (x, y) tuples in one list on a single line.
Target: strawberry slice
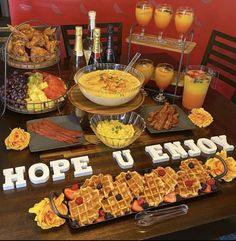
[(208, 189), (100, 219), (101, 213), (79, 200), (195, 73), (161, 173), (136, 207), (189, 183), (170, 198), (211, 182), (75, 186), (69, 193), (140, 201)]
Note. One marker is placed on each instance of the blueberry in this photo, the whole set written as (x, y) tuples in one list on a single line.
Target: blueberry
[(214, 188), (119, 197), (178, 198), (191, 165), (127, 176), (108, 216), (99, 186), (145, 205), (204, 186), (75, 224)]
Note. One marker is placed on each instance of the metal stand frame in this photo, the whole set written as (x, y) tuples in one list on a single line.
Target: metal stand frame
[(5, 70), (191, 34)]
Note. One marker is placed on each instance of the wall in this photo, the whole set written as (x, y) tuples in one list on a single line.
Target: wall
[(210, 14)]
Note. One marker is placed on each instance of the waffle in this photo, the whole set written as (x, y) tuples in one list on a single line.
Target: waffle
[(118, 202), (88, 211), (134, 181), (194, 166), (168, 176), (103, 183), (188, 185), (154, 189)]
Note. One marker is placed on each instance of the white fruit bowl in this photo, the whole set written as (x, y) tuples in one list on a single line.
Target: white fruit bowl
[(110, 99)]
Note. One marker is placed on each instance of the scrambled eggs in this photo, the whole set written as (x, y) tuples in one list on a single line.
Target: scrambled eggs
[(119, 133)]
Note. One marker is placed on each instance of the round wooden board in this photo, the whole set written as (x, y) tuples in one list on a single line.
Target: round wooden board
[(80, 101)]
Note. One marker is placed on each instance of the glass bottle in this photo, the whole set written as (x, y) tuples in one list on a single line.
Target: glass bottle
[(96, 56), (77, 58), (109, 55), (88, 41)]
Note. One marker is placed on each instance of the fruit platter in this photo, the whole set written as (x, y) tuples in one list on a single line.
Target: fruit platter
[(33, 92), (104, 198)]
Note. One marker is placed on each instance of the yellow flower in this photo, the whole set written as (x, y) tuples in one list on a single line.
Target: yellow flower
[(17, 140), (45, 217)]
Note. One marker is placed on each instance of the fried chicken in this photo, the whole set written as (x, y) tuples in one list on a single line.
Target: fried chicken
[(39, 54), (40, 45)]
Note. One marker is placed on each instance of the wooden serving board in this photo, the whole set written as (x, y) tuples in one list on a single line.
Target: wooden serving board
[(80, 101), (170, 45)]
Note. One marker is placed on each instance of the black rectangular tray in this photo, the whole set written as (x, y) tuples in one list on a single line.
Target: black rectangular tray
[(183, 124), (180, 200), (41, 143)]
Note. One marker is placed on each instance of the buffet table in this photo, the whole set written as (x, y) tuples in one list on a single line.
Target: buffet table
[(218, 209)]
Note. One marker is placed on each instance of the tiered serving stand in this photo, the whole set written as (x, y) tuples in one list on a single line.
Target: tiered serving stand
[(12, 61), (170, 45)]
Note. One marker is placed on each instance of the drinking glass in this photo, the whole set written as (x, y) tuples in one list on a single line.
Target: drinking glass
[(145, 66), (162, 16), (197, 79), (143, 14), (184, 17), (164, 74)]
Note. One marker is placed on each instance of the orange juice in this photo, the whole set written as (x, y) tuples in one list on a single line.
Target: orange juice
[(162, 18), (143, 15), (196, 83), (183, 22), (146, 68), (163, 77)]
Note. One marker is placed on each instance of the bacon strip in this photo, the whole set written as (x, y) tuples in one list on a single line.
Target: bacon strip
[(53, 131)]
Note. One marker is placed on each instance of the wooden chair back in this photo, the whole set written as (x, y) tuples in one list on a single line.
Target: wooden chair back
[(220, 54)]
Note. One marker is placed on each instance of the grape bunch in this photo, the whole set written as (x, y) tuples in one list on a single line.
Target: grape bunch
[(16, 90)]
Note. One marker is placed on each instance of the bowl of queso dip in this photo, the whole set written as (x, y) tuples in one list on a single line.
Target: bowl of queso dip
[(109, 84)]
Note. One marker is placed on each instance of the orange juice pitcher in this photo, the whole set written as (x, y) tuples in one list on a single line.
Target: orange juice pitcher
[(196, 83)]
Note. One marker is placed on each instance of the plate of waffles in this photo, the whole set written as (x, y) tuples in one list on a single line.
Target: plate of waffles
[(103, 197)]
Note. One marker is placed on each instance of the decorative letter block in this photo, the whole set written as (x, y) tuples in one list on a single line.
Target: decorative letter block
[(81, 166), (222, 141), (194, 150), (117, 155), (207, 146), (39, 167), (156, 153), (176, 150), (59, 167), (10, 178)]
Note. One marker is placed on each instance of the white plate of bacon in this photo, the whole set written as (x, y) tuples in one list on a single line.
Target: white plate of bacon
[(54, 132)]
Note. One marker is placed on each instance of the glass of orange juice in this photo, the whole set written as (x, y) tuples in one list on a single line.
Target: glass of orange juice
[(164, 74), (145, 66), (197, 79), (143, 14), (162, 16), (184, 17)]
